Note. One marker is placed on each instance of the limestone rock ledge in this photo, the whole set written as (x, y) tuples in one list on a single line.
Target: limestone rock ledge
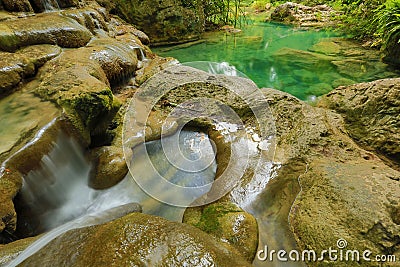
[(136, 240), (60, 71)]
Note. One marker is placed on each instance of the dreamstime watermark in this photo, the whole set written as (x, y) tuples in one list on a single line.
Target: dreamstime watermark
[(177, 96), (340, 253)]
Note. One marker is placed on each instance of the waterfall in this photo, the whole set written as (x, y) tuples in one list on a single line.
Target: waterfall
[(142, 59), (59, 199), (58, 191), (50, 5)]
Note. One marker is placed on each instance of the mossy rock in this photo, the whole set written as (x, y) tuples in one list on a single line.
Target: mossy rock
[(46, 28), (164, 21), (12, 250), (93, 18), (23, 64), (229, 223), (79, 81), (109, 167), (146, 241)]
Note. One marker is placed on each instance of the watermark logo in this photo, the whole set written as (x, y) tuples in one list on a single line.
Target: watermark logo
[(340, 253), (181, 95)]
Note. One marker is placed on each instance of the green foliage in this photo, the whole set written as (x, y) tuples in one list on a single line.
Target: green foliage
[(388, 22), (223, 12), (373, 19), (358, 17), (260, 5)]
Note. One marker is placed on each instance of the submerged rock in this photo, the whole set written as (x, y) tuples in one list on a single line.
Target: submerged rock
[(136, 239), (304, 59)]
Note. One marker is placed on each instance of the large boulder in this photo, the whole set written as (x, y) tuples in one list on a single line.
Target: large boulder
[(339, 196), (46, 28), (372, 114), (136, 239), (165, 21)]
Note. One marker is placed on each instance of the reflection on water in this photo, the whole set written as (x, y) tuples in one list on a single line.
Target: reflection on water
[(184, 160), (216, 68), (280, 57)]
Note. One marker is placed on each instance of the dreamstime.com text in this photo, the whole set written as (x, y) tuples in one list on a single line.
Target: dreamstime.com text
[(333, 254)]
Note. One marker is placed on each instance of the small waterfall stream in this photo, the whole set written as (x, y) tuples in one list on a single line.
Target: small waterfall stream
[(50, 5), (56, 198)]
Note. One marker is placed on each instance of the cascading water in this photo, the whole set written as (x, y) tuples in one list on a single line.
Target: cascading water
[(50, 5), (58, 191), (58, 196), (142, 58)]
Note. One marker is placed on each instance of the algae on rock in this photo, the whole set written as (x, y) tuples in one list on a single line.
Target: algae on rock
[(136, 239)]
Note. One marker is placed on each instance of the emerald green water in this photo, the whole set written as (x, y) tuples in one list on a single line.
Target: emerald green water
[(304, 63)]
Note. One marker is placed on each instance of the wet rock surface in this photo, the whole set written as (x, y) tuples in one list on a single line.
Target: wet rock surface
[(70, 91), (38, 5), (136, 239), (10, 251), (32, 30), (23, 64), (109, 167), (319, 186), (17, 6), (228, 223)]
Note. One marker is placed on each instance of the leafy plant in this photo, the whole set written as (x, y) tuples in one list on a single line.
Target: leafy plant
[(223, 12), (388, 22), (358, 17)]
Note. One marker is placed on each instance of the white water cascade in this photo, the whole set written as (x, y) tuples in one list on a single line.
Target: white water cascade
[(59, 199), (50, 5)]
